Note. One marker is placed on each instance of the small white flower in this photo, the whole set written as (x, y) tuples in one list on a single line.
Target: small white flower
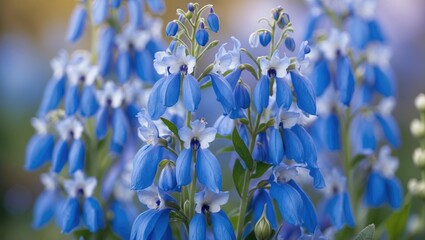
[(199, 135), (132, 37), (110, 95), (147, 131), (420, 102), (151, 198), (80, 69), (179, 60), (276, 64), (417, 128), (70, 128), (419, 157), (386, 164), (227, 60), (210, 201), (336, 42), (80, 185)]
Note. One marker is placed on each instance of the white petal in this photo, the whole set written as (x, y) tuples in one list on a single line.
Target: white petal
[(186, 136), (207, 136), (89, 186), (265, 65), (254, 40)]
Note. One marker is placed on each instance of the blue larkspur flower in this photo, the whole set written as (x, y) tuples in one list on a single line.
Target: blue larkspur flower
[(77, 23), (40, 147), (196, 142), (70, 147), (382, 186), (208, 204), (154, 222), (80, 205)]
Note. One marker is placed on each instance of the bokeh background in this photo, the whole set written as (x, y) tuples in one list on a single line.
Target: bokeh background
[(32, 31)]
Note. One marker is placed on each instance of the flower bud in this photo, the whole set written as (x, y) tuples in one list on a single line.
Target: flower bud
[(213, 21), (290, 44), (263, 229), (283, 21), (167, 180), (190, 7), (416, 187), (202, 35), (242, 99), (265, 38), (417, 128), (420, 102), (419, 157), (171, 29), (412, 185)]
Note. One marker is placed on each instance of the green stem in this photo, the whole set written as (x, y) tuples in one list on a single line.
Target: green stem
[(247, 179)]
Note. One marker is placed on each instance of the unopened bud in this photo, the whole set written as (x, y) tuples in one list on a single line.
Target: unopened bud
[(417, 128), (263, 229), (420, 102), (417, 188), (419, 157)]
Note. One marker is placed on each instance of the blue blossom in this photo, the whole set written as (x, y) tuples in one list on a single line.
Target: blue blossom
[(105, 49), (167, 179), (171, 29), (146, 160), (165, 93), (100, 10), (55, 88), (337, 205), (382, 186), (70, 147), (202, 35), (152, 223), (81, 205), (208, 204), (80, 72), (228, 60), (294, 205), (265, 37), (196, 142), (213, 21), (40, 147), (77, 23), (290, 44), (261, 200), (224, 125), (47, 203), (110, 99)]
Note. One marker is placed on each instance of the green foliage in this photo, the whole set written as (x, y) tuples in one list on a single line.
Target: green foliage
[(171, 126), (242, 149), (238, 176), (397, 221), (366, 233)]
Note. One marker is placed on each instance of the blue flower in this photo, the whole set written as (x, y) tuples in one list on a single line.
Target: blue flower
[(55, 89), (201, 35), (111, 113), (294, 205), (265, 37), (146, 160), (171, 29), (81, 204), (70, 147), (337, 205), (382, 186), (388, 123), (196, 142), (153, 223), (228, 60), (290, 44), (105, 49), (213, 21), (167, 179), (77, 23), (224, 125), (208, 205), (177, 67), (40, 147), (80, 72), (100, 10), (47, 203)]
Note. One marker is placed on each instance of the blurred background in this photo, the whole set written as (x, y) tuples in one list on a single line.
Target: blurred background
[(32, 31)]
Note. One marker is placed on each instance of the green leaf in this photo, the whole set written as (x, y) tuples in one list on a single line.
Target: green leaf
[(226, 149), (238, 176), (242, 150), (260, 170), (171, 126), (396, 223), (244, 121), (366, 233), (356, 159), (250, 69)]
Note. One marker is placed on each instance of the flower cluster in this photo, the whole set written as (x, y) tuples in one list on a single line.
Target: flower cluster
[(299, 119)]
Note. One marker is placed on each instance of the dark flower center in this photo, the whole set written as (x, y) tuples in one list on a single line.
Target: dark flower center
[(272, 73), (82, 78), (158, 202), (205, 209), (183, 68), (195, 144)]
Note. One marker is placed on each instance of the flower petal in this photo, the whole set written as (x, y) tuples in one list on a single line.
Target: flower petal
[(76, 156), (89, 103), (306, 98), (184, 167), (93, 215), (191, 93), (208, 170), (222, 228), (60, 156), (198, 227)]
